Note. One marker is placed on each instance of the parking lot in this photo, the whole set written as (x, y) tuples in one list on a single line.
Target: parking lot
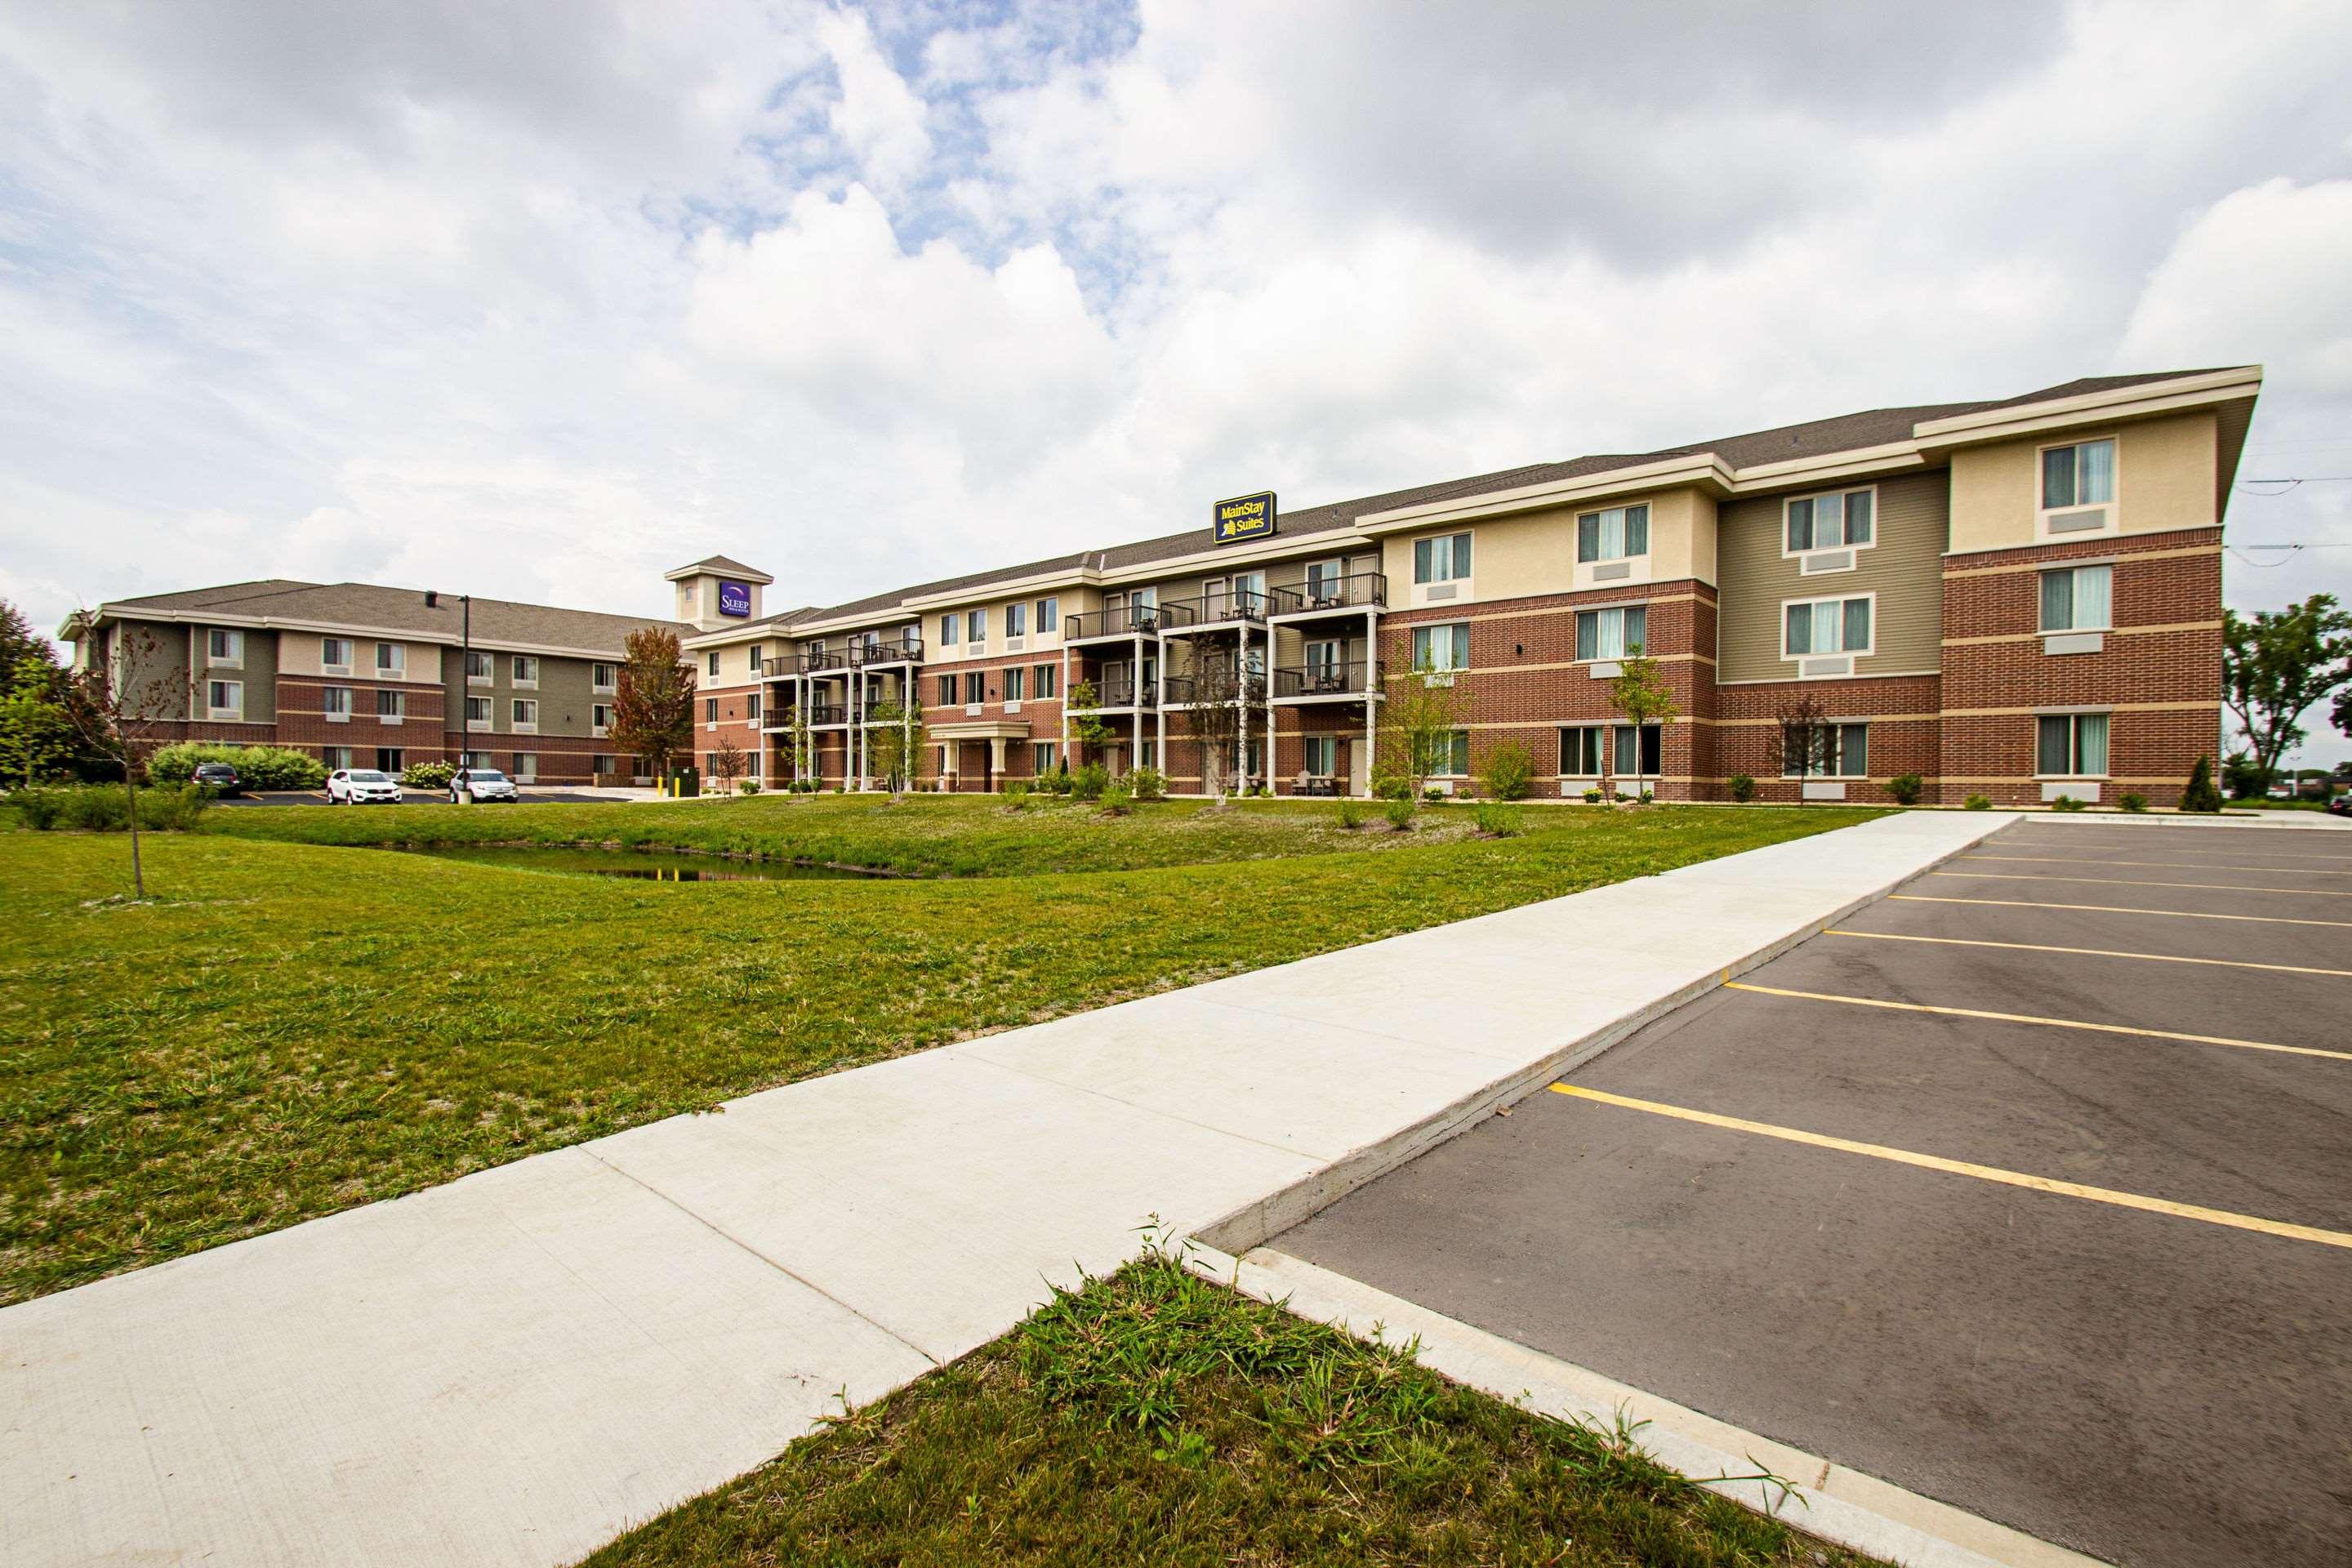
[(408, 797), (2027, 1188)]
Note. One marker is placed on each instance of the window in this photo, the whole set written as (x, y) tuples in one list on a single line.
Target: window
[(526, 768), (751, 760), (1048, 755), (1015, 678), (1049, 615), (752, 659), (2078, 599), (1441, 560), (604, 677), (1016, 620), (525, 671), (1580, 752), (600, 720), (1614, 534), (224, 646), (2080, 475), (226, 698), (1611, 633), (1826, 625), (391, 707), (947, 690), (752, 708), (601, 766), (1442, 647), (1323, 581), (1048, 682), (478, 712), (390, 760), (1646, 763), (1830, 521), (974, 685), (335, 702), (1454, 754), (711, 662), (477, 759), (1825, 751), (478, 668), (950, 630), (525, 712), (975, 627), (1322, 757), (335, 653), (391, 657), (2072, 745), (710, 711), (336, 758)]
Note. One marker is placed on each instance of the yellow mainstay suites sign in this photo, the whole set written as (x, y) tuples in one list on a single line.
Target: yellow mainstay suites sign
[(1244, 516)]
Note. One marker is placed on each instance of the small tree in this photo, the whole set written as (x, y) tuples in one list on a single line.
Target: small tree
[(2276, 665), (1423, 711), (1507, 771), (899, 738), (1642, 695), (122, 704), (796, 731), (1087, 728), (727, 761), (1800, 743), (37, 733), (653, 710), (2201, 794), (1225, 690)]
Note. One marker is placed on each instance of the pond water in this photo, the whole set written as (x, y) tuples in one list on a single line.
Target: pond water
[(642, 865)]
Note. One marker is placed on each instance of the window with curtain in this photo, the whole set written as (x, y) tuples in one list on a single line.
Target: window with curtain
[(1016, 620), (2070, 745), (1832, 522), (1048, 682), (1580, 752), (1611, 633), (1442, 647), (1614, 534), (1827, 625), (2078, 598), (1441, 560), (2080, 475), (1645, 761), (1825, 751), (1016, 682), (1049, 615), (947, 690), (975, 627), (951, 628)]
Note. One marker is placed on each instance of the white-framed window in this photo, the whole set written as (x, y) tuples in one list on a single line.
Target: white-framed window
[(1580, 750), (1049, 615), (391, 707), (1814, 626), (335, 653), (1048, 755), (1016, 620), (524, 711), (224, 647), (975, 687), (390, 760), (950, 630), (1048, 683), (1444, 559), (751, 658), (335, 702), (710, 712), (1613, 533), (478, 668), (1836, 519), (2070, 746), (225, 699), (1016, 680), (1638, 756), (1453, 757), (526, 768), (1611, 633), (2080, 474), (1322, 757), (391, 657), (601, 766), (975, 627), (336, 758), (604, 677), (711, 662), (2078, 599), (600, 720), (478, 759), (477, 714), (751, 760), (525, 671), (752, 708), (1825, 752), (1442, 647)]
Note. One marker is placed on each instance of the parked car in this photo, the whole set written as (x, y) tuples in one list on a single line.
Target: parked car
[(218, 778), (2341, 805), (479, 785), (361, 786)]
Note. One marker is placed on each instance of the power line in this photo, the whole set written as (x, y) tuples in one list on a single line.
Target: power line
[(2290, 484)]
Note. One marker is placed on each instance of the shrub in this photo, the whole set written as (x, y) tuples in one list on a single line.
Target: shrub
[(1497, 821), (1387, 785), (1432, 793), (1117, 800), (2133, 802), (1743, 788), (1017, 795), (1400, 813), (1058, 781), (1351, 811), (1593, 797), (1907, 788), (427, 775), (101, 809), (2065, 803), (261, 767), (1149, 783), (2201, 794), (40, 809), (1978, 802), (1507, 770), (1648, 795), (749, 787), (1089, 782)]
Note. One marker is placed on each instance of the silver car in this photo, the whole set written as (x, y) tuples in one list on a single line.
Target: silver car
[(477, 784)]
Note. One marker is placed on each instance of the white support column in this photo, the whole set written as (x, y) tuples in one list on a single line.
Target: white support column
[(1158, 715), (996, 761), (1065, 705), (1267, 697)]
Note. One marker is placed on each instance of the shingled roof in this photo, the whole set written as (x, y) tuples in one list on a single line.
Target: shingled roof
[(496, 622)]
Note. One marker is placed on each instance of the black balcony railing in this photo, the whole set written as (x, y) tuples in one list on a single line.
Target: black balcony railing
[(1184, 690), (1127, 620), (1124, 692), (827, 713), (1220, 605), (1340, 678), (905, 651), (1350, 591)]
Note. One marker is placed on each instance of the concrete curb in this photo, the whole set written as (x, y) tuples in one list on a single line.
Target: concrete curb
[(1255, 1222), (2267, 822), (1821, 1497)]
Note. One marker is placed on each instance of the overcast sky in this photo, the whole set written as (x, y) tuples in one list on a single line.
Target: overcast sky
[(538, 300)]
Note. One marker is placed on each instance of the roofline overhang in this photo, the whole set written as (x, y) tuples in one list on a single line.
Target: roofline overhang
[(201, 618), (2117, 403), (744, 575)]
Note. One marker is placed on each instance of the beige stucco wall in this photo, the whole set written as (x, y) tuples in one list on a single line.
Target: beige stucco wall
[(2165, 471), (1904, 568), (298, 654), (1534, 553)]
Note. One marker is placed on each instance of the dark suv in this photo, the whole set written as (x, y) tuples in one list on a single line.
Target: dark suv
[(217, 777)]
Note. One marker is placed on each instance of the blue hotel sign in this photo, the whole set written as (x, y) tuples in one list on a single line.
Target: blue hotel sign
[(735, 599), (1244, 516)]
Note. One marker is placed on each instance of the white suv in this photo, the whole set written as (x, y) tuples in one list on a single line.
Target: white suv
[(361, 786), (479, 785)]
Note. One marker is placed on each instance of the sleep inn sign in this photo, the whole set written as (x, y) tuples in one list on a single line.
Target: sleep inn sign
[(1244, 516)]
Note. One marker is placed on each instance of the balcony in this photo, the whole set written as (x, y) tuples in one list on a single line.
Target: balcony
[(1356, 679), (1354, 591), (786, 666), (1184, 690), (1122, 691), (1127, 621), (1230, 606), (826, 715), (905, 651)]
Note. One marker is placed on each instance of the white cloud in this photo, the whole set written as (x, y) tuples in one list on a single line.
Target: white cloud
[(2265, 265), (878, 117)]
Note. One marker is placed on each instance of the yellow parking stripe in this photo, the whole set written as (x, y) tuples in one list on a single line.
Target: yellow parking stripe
[(2134, 882), (1963, 1168), (2030, 1019), (2156, 864), (2088, 951), (2116, 909)]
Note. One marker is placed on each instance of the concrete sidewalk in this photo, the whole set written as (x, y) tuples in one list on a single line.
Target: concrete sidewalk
[(512, 1368)]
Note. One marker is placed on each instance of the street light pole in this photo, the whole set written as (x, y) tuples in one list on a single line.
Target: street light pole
[(465, 663)]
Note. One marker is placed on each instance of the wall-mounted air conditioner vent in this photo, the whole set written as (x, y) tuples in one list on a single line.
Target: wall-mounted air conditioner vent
[(1822, 560), (1813, 668), (2087, 522), (1438, 591), (1016, 645), (1824, 789), (1607, 669), (1612, 571), (2074, 642)]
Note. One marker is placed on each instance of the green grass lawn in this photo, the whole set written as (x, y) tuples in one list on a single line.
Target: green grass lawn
[(288, 1029), (1157, 1417)]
